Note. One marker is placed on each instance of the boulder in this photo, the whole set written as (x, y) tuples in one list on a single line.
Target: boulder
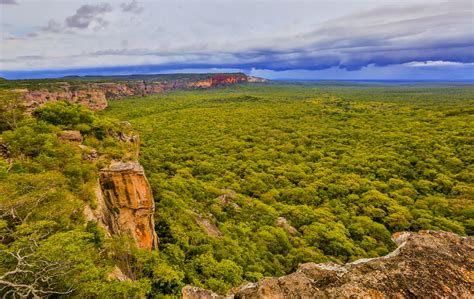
[(70, 135)]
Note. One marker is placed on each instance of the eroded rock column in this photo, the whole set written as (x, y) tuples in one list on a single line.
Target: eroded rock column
[(128, 205)]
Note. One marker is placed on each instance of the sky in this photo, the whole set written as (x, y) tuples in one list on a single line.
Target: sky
[(274, 39)]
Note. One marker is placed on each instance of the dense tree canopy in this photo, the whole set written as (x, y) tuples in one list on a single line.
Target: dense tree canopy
[(291, 174), (249, 181)]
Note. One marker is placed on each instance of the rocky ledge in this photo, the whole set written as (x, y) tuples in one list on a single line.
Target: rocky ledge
[(428, 264)]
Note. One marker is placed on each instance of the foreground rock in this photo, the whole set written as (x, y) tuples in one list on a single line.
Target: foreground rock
[(127, 204), (428, 264)]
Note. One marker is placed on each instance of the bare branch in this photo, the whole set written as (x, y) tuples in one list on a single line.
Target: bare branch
[(30, 280)]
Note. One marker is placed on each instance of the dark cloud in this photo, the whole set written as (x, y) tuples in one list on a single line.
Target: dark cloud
[(390, 36), (82, 19), (381, 37), (87, 14), (131, 7), (8, 2)]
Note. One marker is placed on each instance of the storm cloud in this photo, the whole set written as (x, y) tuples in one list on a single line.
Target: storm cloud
[(384, 36)]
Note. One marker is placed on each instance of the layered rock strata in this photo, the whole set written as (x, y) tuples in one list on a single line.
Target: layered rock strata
[(125, 204)]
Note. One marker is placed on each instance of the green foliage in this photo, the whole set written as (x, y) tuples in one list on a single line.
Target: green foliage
[(249, 181), (345, 166), (66, 115), (216, 275), (12, 110), (46, 248)]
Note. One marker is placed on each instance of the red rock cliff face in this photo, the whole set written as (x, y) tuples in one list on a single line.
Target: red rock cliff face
[(223, 79), (428, 264), (218, 80), (127, 203)]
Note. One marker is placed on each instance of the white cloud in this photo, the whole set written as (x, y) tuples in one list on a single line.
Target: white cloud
[(437, 63)]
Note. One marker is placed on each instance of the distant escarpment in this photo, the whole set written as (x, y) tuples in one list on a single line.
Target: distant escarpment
[(428, 264), (95, 91)]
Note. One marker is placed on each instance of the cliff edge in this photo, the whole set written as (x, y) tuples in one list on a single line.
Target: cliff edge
[(428, 264), (125, 204)]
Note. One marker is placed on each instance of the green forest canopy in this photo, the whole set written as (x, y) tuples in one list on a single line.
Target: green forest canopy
[(249, 181), (344, 166)]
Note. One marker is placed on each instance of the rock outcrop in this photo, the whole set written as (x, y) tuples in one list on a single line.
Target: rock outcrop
[(127, 203), (210, 229), (428, 264), (224, 79), (252, 79)]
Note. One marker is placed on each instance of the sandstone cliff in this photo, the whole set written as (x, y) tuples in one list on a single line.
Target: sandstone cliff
[(428, 264), (127, 204)]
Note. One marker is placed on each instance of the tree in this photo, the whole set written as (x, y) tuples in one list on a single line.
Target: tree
[(12, 110), (32, 279)]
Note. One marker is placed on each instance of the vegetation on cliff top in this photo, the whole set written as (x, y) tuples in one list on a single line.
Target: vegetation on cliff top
[(46, 246)]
